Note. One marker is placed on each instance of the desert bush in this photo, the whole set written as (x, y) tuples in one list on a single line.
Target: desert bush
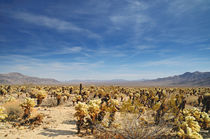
[(33, 121), (192, 100), (50, 102), (140, 129), (13, 110), (134, 129)]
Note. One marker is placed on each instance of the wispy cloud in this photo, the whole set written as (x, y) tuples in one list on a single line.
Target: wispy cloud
[(53, 23), (107, 52), (65, 50), (179, 7), (137, 5), (127, 20), (204, 47), (145, 47), (180, 61)]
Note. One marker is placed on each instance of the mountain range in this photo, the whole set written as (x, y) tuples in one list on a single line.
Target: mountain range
[(187, 79), (18, 78)]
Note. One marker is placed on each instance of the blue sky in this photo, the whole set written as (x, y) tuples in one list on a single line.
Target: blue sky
[(109, 39)]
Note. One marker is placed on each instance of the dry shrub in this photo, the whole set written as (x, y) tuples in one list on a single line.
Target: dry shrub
[(135, 127), (134, 130), (33, 121), (142, 130), (192, 100), (49, 102), (13, 110)]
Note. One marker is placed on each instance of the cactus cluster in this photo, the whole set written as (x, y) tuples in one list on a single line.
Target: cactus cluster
[(3, 116), (28, 105), (40, 96)]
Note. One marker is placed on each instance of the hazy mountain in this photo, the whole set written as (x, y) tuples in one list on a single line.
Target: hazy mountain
[(18, 78), (97, 82), (186, 79)]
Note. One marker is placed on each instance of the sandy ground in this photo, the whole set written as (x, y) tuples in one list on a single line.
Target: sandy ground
[(58, 123)]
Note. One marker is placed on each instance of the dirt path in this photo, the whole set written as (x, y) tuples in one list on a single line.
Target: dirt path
[(59, 123)]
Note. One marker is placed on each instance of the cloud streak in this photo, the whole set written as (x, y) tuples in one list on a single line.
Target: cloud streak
[(53, 23)]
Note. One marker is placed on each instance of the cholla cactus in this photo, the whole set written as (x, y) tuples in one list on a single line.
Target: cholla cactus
[(40, 96), (29, 102), (28, 106), (64, 98), (81, 110), (78, 98), (112, 109), (94, 109), (58, 97), (3, 91), (10, 99), (206, 120), (88, 114), (101, 93), (190, 122), (2, 114), (156, 106), (201, 117)]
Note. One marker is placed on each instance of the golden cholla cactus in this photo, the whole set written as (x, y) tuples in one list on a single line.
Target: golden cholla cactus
[(81, 110), (189, 133), (28, 105), (3, 91), (205, 120), (201, 117), (2, 114), (40, 96), (94, 108), (190, 121), (58, 97), (29, 102), (10, 99), (156, 106)]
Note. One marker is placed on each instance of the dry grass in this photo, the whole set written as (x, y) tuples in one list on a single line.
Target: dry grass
[(133, 127), (192, 100), (49, 102), (13, 110)]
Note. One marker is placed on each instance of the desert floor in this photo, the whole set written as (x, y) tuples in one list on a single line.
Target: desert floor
[(58, 123)]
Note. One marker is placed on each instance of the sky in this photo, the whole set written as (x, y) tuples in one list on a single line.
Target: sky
[(104, 39)]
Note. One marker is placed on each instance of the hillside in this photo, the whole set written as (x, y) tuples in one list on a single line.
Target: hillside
[(186, 79), (18, 78)]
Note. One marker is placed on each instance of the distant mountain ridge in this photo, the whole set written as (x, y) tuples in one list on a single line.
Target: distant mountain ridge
[(18, 78), (187, 79)]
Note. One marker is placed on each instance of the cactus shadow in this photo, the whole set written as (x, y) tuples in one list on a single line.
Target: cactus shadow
[(57, 132), (69, 122)]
